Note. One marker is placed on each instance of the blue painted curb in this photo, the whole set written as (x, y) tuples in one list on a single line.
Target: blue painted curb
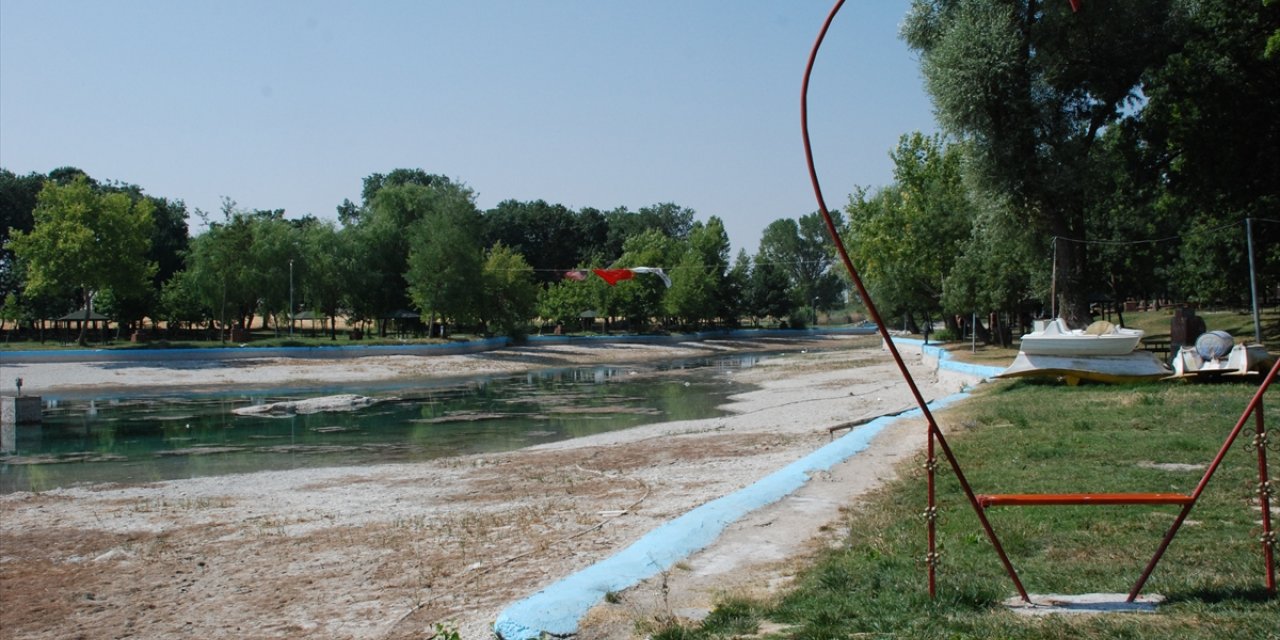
[(946, 362), (556, 610)]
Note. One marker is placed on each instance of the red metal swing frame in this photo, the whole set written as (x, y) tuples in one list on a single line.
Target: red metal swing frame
[(980, 503)]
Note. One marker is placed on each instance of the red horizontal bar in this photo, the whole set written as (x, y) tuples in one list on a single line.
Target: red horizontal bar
[(1049, 499)]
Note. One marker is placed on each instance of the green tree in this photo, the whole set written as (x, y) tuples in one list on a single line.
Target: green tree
[(769, 292), (640, 300), (326, 269), (737, 280), (274, 243), (1030, 86), (668, 219), (906, 238), (802, 250), (181, 304), (565, 301), (1202, 150), (698, 291), (445, 256), (551, 237), (382, 230), (510, 293), (88, 241), (220, 268), (18, 196)]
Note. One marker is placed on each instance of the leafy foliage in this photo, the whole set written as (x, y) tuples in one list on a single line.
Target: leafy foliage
[(86, 241)]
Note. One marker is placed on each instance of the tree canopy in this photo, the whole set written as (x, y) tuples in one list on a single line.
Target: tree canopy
[(86, 241)]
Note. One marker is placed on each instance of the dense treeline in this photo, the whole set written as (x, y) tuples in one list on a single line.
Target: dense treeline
[(1116, 152), (414, 246)]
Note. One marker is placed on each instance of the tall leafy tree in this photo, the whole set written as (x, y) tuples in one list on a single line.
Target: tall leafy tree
[(509, 292), (698, 291), (1204, 147), (326, 269), (444, 255), (734, 299), (383, 227), (18, 196), (668, 219), (802, 250), (768, 291), (907, 238), (551, 237), (223, 266), (641, 299), (88, 241), (1031, 86), (564, 302)]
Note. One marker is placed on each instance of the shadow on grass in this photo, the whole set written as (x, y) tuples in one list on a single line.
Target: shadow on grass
[(1242, 595)]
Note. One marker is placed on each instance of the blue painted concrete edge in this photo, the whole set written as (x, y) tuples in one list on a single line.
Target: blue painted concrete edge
[(946, 362), (557, 609)]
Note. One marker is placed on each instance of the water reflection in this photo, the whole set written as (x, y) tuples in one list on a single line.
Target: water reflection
[(156, 437)]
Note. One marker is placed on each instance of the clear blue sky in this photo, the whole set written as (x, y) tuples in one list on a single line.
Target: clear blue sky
[(601, 103)]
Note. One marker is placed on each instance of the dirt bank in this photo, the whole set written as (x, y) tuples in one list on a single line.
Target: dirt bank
[(389, 551)]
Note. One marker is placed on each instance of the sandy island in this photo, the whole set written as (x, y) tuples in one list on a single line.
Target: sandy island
[(388, 551)]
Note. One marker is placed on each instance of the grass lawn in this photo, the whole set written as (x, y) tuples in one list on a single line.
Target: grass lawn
[(1016, 437)]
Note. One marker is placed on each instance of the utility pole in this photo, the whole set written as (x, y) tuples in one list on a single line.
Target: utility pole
[(1253, 282)]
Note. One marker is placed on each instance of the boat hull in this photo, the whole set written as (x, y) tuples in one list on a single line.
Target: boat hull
[(1054, 338), (1137, 366), (1241, 360), (1080, 344)]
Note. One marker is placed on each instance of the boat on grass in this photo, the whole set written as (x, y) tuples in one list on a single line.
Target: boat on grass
[(1099, 339), (1216, 354), (1135, 366)]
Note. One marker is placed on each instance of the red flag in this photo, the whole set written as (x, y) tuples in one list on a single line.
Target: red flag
[(614, 276), (1075, 5)]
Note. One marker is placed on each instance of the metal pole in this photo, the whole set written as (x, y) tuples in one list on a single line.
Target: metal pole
[(1264, 501), (1253, 282), (1053, 282), (290, 297), (935, 432), (1254, 405)]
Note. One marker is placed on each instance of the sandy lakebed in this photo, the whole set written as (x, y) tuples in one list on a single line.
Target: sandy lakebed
[(389, 551)]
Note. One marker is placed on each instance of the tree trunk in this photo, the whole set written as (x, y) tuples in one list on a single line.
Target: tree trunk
[(1072, 298), (909, 323), (84, 324)]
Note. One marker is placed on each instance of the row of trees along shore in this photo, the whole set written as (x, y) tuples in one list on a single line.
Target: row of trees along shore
[(1119, 152), (415, 244)]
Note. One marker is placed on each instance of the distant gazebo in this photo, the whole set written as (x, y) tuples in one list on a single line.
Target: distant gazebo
[(313, 317), (96, 320), (404, 321)]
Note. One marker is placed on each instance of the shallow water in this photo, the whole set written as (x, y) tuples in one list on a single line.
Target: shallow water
[(162, 436)]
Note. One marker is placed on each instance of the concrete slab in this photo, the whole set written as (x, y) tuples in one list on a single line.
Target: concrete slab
[(1085, 603)]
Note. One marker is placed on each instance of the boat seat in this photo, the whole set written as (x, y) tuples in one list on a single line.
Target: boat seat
[(1049, 499), (1101, 327)]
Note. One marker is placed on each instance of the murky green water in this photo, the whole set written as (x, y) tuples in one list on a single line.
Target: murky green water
[(158, 437)]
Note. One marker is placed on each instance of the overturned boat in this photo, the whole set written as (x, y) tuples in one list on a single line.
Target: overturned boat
[(1136, 366)]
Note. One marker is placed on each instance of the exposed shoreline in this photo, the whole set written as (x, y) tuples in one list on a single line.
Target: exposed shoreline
[(387, 551)]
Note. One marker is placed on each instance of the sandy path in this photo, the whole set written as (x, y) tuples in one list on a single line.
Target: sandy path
[(388, 551)]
